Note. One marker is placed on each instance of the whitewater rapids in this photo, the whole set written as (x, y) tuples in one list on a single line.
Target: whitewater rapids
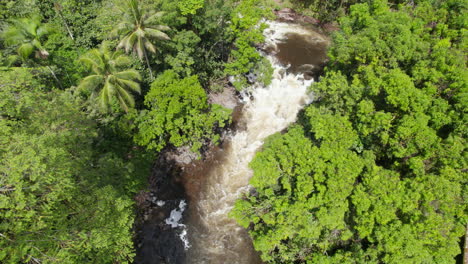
[(214, 237)]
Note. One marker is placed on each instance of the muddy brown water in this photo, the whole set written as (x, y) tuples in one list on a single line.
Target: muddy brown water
[(298, 53)]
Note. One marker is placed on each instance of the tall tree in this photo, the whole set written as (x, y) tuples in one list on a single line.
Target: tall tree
[(179, 114), (139, 31), (110, 80), (380, 175)]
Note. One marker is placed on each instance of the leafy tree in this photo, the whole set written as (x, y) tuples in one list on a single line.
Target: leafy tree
[(190, 6), (303, 192), (204, 49), (178, 114), (140, 30), (247, 33), (47, 162), (110, 80), (184, 45), (379, 176)]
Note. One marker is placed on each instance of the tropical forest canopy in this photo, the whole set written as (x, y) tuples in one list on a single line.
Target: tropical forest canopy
[(91, 92), (380, 175)]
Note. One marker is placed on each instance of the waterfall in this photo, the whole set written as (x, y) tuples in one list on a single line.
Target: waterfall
[(214, 237)]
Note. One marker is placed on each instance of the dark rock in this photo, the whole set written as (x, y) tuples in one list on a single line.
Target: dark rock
[(309, 20), (290, 15), (226, 98), (330, 27), (310, 71), (306, 68), (251, 77), (156, 242), (160, 246), (286, 15)]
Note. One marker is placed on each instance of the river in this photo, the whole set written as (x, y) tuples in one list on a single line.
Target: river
[(212, 186)]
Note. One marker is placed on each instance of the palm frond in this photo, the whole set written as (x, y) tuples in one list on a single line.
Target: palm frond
[(153, 19), (127, 98), (30, 25), (128, 42), (27, 32), (134, 10), (88, 61), (133, 86), (149, 46), (25, 26), (37, 44), (123, 42), (11, 60), (131, 40), (121, 61), (92, 63), (104, 100), (106, 94), (26, 50), (122, 102), (44, 30), (154, 33), (95, 60), (13, 36), (128, 75), (91, 82), (162, 27), (140, 33), (121, 29), (139, 48), (117, 53), (105, 51), (107, 83)]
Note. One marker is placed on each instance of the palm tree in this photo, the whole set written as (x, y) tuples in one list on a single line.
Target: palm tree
[(108, 82), (27, 34), (139, 31)]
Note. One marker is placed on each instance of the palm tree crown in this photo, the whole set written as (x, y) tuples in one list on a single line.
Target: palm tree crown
[(139, 30), (108, 81), (27, 33)]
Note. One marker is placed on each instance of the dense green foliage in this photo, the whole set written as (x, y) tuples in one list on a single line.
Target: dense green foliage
[(27, 34), (179, 114), (190, 6), (48, 160), (380, 174), (248, 32), (73, 108), (325, 11), (373, 172)]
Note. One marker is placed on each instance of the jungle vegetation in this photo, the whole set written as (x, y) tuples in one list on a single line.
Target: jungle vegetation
[(381, 172), (92, 91)]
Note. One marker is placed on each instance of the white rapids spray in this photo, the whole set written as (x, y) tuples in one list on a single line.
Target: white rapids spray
[(174, 221), (216, 238)]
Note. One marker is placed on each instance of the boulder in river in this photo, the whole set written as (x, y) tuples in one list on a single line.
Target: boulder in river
[(290, 15), (226, 98), (157, 241)]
